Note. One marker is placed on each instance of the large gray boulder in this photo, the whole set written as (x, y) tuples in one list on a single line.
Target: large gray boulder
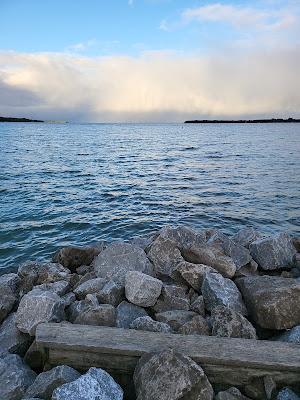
[(96, 384), (173, 297), (11, 339), (119, 258), (15, 377), (102, 315), (7, 301), (46, 382), (211, 256), (273, 302), (175, 318), (194, 274), (219, 291), (165, 256), (170, 376), (246, 236), (239, 254), (141, 289), (228, 323), (273, 252), (89, 287), (148, 324), (127, 313), (39, 306)]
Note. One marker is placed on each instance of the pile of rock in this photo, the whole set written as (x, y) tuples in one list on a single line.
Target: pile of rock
[(178, 280)]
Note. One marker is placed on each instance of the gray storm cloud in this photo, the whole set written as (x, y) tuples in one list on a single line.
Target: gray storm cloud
[(152, 87)]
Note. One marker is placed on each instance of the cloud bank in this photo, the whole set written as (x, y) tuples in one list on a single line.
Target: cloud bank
[(154, 86)]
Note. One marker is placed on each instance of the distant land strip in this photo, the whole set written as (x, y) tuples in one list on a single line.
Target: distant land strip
[(242, 121), (10, 119)]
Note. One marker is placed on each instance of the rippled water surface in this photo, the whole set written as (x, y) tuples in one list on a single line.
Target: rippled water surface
[(79, 183)]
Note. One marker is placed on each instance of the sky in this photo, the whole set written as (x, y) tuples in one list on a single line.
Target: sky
[(149, 60)]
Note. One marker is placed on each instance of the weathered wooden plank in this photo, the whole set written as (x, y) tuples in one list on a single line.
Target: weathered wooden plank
[(234, 361)]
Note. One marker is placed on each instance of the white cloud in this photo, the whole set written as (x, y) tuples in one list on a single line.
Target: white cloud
[(151, 87), (82, 46), (239, 16)]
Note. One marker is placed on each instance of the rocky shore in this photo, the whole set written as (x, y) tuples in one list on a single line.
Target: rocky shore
[(178, 280)]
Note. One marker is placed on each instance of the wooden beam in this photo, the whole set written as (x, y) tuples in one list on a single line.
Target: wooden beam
[(224, 360)]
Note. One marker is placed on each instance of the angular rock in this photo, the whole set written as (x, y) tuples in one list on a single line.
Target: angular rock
[(246, 236), (88, 287), (68, 298), (102, 315), (12, 281), (211, 256), (229, 323), (35, 273), (96, 384), (194, 274), (219, 291), (46, 382), (196, 326), (290, 336), (119, 258), (231, 394), (170, 376), (7, 301), (272, 302), (15, 377), (111, 293), (239, 254), (165, 256), (127, 313), (11, 339), (76, 308), (173, 297), (175, 318), (52, 272), (38, 306), (287, 394), (74, 257), (183, 236), (273, 252), (142, 242), (198, 306), (141, 289), (59, 287), (148, 324)]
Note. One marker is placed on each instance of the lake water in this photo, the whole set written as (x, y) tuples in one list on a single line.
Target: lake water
[(63, 184)]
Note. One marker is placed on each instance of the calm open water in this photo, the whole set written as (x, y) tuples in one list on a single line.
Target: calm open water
[(79, 183)]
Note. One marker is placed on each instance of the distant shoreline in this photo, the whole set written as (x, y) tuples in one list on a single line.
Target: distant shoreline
[(242, 121), (11, 119)]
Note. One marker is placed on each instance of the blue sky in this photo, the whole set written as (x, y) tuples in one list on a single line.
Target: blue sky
[(148, 34)]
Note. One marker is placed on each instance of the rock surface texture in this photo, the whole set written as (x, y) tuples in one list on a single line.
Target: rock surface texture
[(170, 376), (274, 252), (15, 377), (96, 384), (273, 302)]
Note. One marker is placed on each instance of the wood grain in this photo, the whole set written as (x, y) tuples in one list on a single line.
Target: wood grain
[(225, 360)]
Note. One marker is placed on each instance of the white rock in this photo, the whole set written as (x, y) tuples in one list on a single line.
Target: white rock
[(141, 289)]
